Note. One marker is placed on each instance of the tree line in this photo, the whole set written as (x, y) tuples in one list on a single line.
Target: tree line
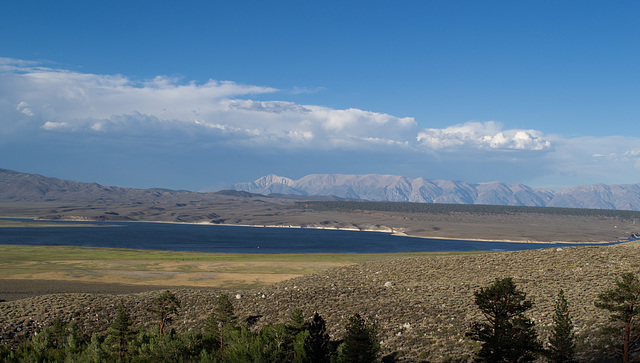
[(223, 339), (506, 334), (442, 208)]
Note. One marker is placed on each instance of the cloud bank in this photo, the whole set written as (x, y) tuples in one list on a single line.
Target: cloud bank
[(483, 136), (65, 101), (214, 117)]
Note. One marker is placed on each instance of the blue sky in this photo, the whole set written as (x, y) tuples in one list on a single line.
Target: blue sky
[(198, 94)]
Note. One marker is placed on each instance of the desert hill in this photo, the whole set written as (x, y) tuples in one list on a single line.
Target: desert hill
[(23, 194), (424, 305), (23, 187)]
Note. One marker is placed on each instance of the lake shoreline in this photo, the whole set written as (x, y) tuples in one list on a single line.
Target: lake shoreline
[(387, 230), (390, 231)]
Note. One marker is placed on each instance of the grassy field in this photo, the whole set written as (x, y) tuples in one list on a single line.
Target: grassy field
[(167, 268)]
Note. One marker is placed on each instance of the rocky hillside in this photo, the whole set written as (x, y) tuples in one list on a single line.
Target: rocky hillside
[(401, 189), (23, 187), (17, 186), (423, 305), (599, 196)]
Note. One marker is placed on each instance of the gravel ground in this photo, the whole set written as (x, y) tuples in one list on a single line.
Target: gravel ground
[(423, 305)]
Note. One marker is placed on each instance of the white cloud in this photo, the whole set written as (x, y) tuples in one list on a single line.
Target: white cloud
[(23, 108), (635, 153), (215, 115), (49, 125), (62, 100), (483, 136)]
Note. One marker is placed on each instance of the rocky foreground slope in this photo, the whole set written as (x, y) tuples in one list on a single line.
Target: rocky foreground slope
[(423, 305)]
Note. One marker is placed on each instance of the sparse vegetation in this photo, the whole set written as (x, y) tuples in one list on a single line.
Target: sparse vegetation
[(423, 305)]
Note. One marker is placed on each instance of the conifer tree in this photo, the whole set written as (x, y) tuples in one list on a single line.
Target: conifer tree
[(360, 341), (623, 301), (165, 307), (224, 311), (296, 321), (5, 353), (296, 331), (120, 333), (222, 317), (562, 347), (507, 335), (317, 344)]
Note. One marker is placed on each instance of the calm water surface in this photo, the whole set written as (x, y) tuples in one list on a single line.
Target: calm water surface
[(236, 239)]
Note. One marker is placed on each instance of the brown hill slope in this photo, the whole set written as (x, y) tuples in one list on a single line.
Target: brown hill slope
[(423, 305)]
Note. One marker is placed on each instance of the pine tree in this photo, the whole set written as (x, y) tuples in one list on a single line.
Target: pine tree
[(507, 335), (223, 313), (120, 333), (165, 307), (623, 301), (317, 344), (562, 347), (296, 322), (297, 332), (360, 341), (222, 317)]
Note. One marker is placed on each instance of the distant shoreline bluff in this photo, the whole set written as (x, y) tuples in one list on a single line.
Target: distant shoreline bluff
[(386, 230)]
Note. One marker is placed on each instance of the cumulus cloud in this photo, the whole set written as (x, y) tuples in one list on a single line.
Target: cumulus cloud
[(483, 136), (50, 125), (61, 100), (23, 108), (218, 115)]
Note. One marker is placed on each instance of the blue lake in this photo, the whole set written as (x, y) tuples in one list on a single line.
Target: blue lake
[(236, 239)]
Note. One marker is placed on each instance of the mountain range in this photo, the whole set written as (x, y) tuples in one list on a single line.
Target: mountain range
[(17, 186), (394, 188)]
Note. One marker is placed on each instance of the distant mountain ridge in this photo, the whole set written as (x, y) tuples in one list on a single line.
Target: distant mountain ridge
[(402, 189), (17, 186)]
